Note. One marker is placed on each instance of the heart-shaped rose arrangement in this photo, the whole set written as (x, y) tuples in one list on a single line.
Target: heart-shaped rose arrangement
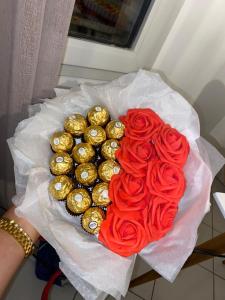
[(136, 206)]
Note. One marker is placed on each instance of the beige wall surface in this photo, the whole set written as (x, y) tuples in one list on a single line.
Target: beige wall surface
[(192, 59)]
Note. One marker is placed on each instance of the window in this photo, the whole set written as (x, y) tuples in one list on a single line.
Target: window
[(114, 22), (129, 43)]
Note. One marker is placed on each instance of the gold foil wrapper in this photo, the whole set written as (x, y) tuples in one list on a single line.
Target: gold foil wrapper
[(109, 149), (61, 141), (115, 129), (92, 219), (60, 187), (107, 169), (61, 163), (83, 152), (86, 173), (78, 201), (98, 115), (75, 124), (100, 194), (95, 135)]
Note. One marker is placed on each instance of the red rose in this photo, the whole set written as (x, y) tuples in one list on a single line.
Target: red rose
[(171, 145), (165, 180), (122, 234), (134, 155), (141, 124), (160, 217), (128, 193)]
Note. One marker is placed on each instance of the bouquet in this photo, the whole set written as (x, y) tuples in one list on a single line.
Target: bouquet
[(128, 206), (107, 198)]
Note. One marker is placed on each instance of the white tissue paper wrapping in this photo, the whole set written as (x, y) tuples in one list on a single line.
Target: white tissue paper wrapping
[(94, 270)]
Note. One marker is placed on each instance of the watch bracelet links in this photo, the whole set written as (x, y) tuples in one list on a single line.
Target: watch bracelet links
[(19, 234)]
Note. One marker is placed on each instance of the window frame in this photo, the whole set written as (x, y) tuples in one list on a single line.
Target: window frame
[(152, 35)]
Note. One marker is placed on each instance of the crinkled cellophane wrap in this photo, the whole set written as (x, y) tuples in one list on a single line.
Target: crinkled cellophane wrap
[(94, 270)]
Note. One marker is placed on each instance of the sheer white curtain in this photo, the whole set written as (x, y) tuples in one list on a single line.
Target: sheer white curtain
[(33, 35)]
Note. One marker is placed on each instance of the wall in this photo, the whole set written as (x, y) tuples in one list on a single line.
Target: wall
[(190, 56), (192, 59)]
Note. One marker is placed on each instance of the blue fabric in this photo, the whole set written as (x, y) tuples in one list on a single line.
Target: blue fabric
[(47, 263)]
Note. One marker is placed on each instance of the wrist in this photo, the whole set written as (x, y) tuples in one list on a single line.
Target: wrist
[(26, 226)]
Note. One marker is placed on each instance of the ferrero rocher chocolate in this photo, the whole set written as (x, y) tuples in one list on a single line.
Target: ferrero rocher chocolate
[(61, 163), (61, 141), (78, 201), (83, 152), (60, 187), (95, 135), (115, 129), (100, 194), (98, 115), (75, 124), (107, 169), (92, 219), (109, 148), (86, 173)]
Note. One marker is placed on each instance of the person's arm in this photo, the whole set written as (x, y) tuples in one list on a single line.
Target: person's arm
[(11, 252)]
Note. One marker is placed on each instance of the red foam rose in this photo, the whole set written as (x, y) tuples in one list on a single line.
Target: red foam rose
[(159, 217), (165, 180), (171, 145), (128, 193), (146, 193), (122, 233), (141, 124), (134, 155)]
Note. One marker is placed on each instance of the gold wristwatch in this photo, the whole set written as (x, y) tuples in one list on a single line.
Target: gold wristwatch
[(18, 233)]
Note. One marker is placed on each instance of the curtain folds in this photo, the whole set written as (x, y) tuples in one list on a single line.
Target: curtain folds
[(33, 35)]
